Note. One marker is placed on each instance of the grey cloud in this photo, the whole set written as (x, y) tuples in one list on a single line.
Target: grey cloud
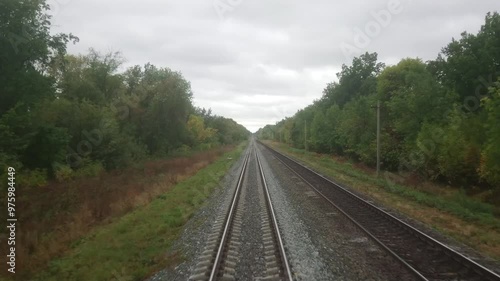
[(262, 60)]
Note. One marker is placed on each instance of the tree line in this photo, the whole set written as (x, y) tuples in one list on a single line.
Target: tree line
[(439, 119), (65, 115)]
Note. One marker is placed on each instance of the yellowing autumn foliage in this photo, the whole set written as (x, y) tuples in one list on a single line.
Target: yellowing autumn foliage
[(196, 127)]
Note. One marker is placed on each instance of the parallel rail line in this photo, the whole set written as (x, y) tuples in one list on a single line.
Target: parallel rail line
[(426, 257)]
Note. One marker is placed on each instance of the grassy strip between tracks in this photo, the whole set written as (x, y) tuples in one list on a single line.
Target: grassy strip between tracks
[(134, 245), (446, 209)]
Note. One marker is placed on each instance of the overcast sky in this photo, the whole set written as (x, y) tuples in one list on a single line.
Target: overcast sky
[(258, 61)]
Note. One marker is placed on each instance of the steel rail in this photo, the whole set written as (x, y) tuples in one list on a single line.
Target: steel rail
[(284, 260), (229, 218)]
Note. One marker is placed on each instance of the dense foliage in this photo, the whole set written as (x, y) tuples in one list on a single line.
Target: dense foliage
[(439, 119), (64, 115)]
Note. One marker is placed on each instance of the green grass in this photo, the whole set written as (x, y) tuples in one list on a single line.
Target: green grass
[(134, 246), (457, 204)]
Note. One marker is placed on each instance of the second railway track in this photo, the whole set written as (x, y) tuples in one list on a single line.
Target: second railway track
[(224, 254), (424, 256)]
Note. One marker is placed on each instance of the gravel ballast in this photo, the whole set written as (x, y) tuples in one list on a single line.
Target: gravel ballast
[(321, 244)]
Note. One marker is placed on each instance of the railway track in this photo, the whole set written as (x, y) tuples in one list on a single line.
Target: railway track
[(222, 254), (424, 256)]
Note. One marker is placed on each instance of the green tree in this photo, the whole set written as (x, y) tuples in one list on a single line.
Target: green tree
[(27, 49), (357, 129), (91, 77), (410, 97), (319, 138), (490, 157), (469, 65), (458, 154), (359, 79), (164, 121)]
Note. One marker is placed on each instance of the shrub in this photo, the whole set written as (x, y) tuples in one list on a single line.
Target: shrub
[(32, 178), (63, 173), (89, 169)]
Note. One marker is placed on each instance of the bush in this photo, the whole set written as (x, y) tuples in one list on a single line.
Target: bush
[(184, 149), (458, 155), (206, 146), (32, 178), (63, 173), (89, 169)]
